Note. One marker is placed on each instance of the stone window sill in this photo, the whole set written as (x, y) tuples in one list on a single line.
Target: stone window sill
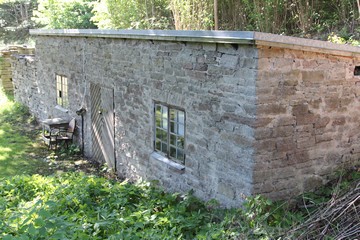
[(171, 164), (58, 107)]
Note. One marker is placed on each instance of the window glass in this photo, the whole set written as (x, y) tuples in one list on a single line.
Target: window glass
[(62, 91), (170, 132)]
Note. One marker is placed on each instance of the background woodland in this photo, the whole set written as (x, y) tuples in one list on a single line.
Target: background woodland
[(317, 19)]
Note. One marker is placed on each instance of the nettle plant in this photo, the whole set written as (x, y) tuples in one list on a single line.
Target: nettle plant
[(79, 206)]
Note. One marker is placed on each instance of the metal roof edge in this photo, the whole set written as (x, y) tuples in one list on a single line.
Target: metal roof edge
[(231, 37)]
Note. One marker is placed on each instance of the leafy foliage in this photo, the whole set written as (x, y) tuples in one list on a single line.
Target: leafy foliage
[(134, 14), (65, 14), (15, 20), (78, 206), (192, 15)]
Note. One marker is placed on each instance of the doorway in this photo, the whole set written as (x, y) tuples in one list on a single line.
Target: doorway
[(102, 124)]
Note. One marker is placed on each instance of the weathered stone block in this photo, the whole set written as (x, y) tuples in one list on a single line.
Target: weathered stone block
[(229, 61)]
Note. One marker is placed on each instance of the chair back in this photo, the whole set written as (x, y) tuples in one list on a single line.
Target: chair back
[(71, 128)]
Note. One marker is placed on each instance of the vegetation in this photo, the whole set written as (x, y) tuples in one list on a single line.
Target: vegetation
[(305, 18), (60, 14), (65, 203), (135, 14), (15, 20), (17, 155)]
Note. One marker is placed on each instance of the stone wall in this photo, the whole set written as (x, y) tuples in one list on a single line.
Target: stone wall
[(308, 104), (6, 72), (209, 81), (25, 82)]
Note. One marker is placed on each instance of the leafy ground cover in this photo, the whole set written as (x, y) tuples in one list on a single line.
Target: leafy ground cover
[(59, 195)]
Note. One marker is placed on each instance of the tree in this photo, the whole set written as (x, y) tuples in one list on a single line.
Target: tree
[(65, 14), (216, 17), (133, 14), (192, 14), (15, 20)]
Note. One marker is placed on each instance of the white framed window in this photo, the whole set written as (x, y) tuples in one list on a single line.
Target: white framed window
[(62, 98), (170, 132)]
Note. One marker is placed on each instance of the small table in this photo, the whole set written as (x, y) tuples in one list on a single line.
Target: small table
[(50, 129)]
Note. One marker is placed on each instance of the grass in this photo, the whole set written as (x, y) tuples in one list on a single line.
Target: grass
[(22, 151), (19, 153)]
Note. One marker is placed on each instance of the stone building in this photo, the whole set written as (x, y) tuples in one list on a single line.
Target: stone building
[(227, 114)]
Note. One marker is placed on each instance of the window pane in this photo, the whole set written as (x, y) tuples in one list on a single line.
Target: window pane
[(180, 155), (164, 136), (158, 133), (172, 152), (65, 91), (158, 109), (172, 114), (180, 142), (173, 140), (181, 117), (158, 118), (172, 127), (164, 148), (164, 112), (158, 145), (164, 124), (181, 130)]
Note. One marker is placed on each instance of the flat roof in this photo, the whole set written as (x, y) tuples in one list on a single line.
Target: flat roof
[(229, 37)]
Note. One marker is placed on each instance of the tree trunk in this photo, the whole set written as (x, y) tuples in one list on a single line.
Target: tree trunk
[(216, 16)]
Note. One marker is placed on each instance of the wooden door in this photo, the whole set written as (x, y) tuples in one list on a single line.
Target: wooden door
[(102, 124)]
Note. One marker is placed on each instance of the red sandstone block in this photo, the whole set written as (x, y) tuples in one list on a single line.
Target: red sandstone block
[(283, 131), (300, 109), (267, 52), (313, 78), (338, 121), (283, 64), (303, 143), (263, 133), (266, 145), (271, 109), (285, 92), (326, 137), (294, 54), (285, 144), (332, 103), (315, 103), (306, 119), (286, 121), (310, 64), (322, 122)]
